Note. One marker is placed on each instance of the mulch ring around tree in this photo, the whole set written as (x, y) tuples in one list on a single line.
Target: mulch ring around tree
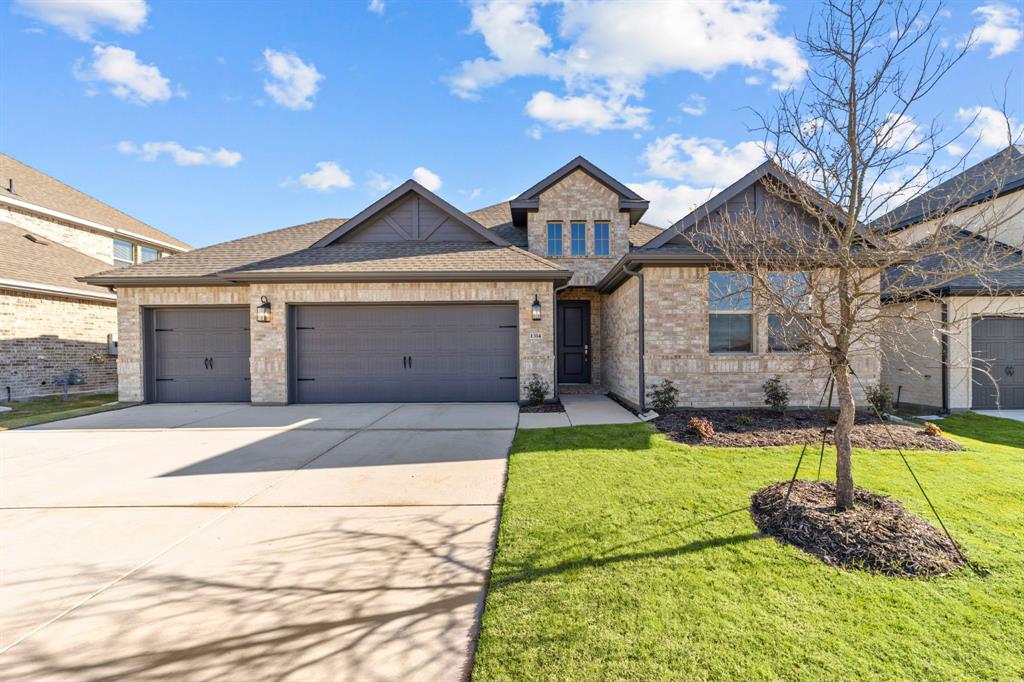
[(543, 407), (877, 535), (757, 428)]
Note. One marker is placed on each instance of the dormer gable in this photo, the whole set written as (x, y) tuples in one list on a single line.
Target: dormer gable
[(529, 201), (410, 213)]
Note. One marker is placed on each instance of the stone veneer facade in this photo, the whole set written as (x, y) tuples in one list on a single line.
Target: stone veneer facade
[(596, 327), (42, 336), (621, 342), (268, 360), (580, 198)]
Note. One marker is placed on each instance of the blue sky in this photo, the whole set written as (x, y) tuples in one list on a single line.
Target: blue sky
[(216, 120)]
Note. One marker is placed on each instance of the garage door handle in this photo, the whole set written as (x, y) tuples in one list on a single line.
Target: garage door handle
[(165, 379), (410, 362), (405, 361), (1009, 370)]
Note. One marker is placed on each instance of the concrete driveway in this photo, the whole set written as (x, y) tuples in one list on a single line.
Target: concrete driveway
[(226, 541)]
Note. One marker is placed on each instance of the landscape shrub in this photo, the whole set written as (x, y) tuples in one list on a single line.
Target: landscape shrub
[(702, 427), (664, 395), (536, 389), (744, 420), (932, 429), (776, 394), (879, 397)]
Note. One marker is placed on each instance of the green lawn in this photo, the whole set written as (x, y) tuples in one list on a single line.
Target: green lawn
[(622, 555), (31, 412)]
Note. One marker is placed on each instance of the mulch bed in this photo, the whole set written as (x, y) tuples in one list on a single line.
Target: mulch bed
[(876, 535), (546, 407), (796, 427)]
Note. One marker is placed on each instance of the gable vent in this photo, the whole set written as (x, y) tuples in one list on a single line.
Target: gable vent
[(37, 240)]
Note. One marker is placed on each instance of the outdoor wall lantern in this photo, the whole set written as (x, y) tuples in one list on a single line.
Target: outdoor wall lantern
[(535, 308), (263, 313)]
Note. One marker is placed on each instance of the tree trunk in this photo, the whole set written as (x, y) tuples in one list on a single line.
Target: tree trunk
[(844, 427)]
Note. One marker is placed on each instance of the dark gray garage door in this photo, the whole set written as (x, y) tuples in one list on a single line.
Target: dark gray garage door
[(198, 355), (404, 353), (997, 344)]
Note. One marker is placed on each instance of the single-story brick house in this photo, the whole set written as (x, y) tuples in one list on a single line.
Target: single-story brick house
[(413, 300), (51, 234), (979, 362)]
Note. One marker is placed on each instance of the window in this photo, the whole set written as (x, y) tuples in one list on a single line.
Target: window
[(786, 333), (124, 253), (601, 245), (147, 254), (578, 241), (554, 239), (730, 313)]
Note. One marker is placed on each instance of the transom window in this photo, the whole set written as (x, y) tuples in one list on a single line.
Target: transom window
[(601, 245), (124, 253), (147, 254), (554, 239), (578, 239), (730, 313), (788, 333)]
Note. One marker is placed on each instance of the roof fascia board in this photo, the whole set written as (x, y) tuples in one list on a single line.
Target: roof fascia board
[(393, 196), (465, 276), (115, 281), (583, 164), (67, 217), (37, 287)]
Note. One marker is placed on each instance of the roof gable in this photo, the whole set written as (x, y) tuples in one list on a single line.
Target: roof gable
[(410, 213), (629, 201)]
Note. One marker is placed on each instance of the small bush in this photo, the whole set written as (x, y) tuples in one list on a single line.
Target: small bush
[(744, 420), (664, 395), (932, 429), (776, 394), (536, 389), (702, 427), (879, 397)]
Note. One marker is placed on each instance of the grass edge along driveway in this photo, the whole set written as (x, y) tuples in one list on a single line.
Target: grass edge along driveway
[(43, 410), (622, 555)]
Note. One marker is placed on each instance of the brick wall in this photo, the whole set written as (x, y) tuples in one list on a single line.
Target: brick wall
[(620, 342), (268, 360), (41, 336), (579, 197), (676, 341), (75, 237)]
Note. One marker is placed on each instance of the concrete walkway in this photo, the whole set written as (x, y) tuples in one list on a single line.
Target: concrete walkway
[(198, 542), (1016, 415), (580, 410)]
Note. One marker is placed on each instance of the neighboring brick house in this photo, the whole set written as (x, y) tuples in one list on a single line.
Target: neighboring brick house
[(51, 234), (413, 300), (979, 362)]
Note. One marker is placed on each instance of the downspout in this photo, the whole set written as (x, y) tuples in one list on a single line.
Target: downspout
[(640, 340), (554, 331), (944, 344)]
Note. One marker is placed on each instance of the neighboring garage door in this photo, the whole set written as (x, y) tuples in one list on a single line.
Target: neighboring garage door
[(404, 353), (198, 355), (997, 344)]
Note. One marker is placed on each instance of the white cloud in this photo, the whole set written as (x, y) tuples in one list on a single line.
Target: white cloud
[(428, 179), (1000, 28), (327, 176), (381, 183), (899, 131), (702, 160), (376, 6), (668, 203), (200, 156), (587, 112), (695, 105), (535, 132), (128, 78), (989, 128), (293, 83), (608, 50), (82, 18)]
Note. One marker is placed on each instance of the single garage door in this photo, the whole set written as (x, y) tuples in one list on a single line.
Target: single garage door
[(198, 355), (404, 353), (997, 344)]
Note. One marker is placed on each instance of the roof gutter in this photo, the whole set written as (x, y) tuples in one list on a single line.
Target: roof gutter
[(67, 217), (37, 287), (944, 341), (458, 276)]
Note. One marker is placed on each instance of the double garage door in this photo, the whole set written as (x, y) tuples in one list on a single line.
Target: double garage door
[(997, 344), (341, 353)]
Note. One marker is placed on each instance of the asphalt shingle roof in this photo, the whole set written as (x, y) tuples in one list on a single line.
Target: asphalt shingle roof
[(925, 275), (498, 217), (27, 257), (36, 187), (1002, 172)]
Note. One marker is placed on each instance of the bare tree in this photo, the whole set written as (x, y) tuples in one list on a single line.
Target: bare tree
[(810, 245)]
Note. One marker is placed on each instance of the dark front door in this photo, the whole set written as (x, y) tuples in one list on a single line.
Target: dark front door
[(404, 353), (198, 355), (998, 349), (574, 342)]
